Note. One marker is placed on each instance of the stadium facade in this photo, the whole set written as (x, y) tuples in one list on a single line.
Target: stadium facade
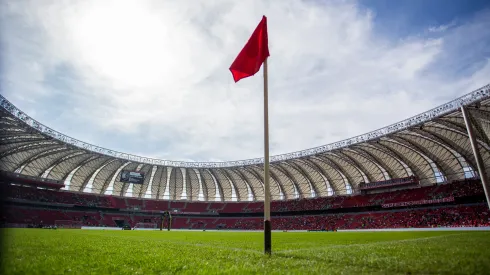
[(432, 147)]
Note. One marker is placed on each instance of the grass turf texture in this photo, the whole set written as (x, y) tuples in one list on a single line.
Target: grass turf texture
[(42, 251)]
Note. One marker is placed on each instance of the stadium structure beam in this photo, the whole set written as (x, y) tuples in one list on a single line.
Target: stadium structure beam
[(424, 170), (365, 160), (357, 164), (330, 181), (202, 186), (483, 117), (464, 133), (67, 171), (188, 185), (273, 176), (479, 161), (322, 186), (202, 176), (390, 162), (28, 147), (87, 171), (112, 174), (439, 163), (13, 159), (301, 172), (246, 184), (466, 153), (253, 169), (95, 174), (444, 154), (145, 186), (370, 160), (14, 139), (412, 168), (291, 178), (225, 185), (233, 184), (160, 181), (449, 122), (58, 161), (44, 153), (257, 177), (217, 182), (450, 145), (477, 120), (247, 181), (343, 174)]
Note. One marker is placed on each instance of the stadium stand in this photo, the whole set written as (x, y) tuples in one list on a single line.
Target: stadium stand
[(30, 206), (449, 216), (420, 172), (466, 188)]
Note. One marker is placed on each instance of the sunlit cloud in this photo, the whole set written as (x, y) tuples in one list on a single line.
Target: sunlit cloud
[(151, 77)]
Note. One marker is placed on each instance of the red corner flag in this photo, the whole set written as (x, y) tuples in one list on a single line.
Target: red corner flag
[(249, 60)]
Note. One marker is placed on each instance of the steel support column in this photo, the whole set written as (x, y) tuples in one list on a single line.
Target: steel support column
[(478, 158)]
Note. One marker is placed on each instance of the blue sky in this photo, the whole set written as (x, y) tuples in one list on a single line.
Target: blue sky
[(412, 17), (151, 77)]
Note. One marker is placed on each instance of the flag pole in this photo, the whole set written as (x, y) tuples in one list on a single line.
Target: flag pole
[(248, 63), (267, 193)]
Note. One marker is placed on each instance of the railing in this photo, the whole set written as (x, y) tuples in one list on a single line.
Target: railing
[(420, 202), (32, 180), (388, 183)]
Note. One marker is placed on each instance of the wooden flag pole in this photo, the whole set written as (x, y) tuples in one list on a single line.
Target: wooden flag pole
[(267, 193), (248, 63)]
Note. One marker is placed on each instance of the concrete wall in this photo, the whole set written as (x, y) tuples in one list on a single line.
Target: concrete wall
[(346, 230)]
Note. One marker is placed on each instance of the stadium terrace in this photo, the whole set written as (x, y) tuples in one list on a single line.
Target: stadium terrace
[(419, 207)]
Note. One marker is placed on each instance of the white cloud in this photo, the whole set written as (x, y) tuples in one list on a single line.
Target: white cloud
[(442, 28), (151, 77)]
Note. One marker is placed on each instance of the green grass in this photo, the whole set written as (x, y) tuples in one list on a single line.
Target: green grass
[(42, 251)]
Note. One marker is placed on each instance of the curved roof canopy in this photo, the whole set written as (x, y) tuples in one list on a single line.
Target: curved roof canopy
[(433, 146)]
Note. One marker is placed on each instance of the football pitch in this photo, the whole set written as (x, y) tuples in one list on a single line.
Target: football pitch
[(43, 251)]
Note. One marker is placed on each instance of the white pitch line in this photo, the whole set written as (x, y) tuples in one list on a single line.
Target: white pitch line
[(217, 246), (367, 244)]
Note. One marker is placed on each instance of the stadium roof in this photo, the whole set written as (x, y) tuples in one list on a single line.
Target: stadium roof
[(433, 146)]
